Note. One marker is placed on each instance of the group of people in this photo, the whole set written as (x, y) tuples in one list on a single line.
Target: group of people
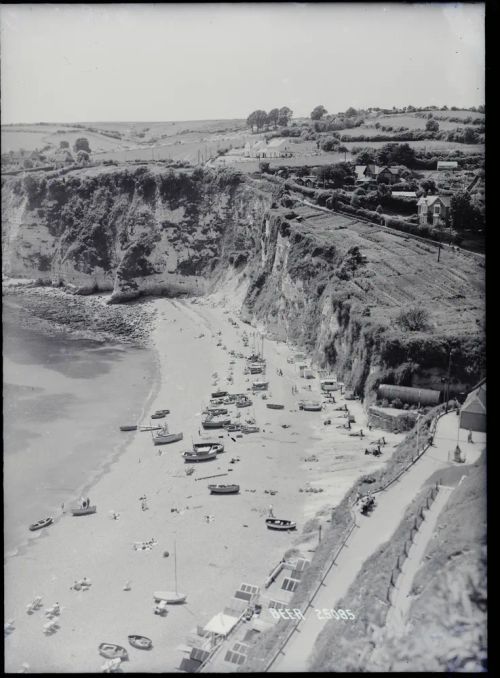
[(82, 585)]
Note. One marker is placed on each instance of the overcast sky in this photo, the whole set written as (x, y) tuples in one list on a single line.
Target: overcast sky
[(83, 63)]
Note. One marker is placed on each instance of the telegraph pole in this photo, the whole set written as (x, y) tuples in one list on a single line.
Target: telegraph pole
[(439, 250)]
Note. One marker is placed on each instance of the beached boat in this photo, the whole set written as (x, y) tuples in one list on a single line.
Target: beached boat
[(233, 427), (277, 524), (215, 421), (275, 406), (162, 412), (206, 447), (140, 642), (260, 385), (112, 651), (250, 429), (83, 511), (219, 394), (159, 415), (191, 456), (128, 428), (151, 428), (310, 406), (216, 410), (45, 522), (244, 402), (224, 489), (171, 597), (163, 436)]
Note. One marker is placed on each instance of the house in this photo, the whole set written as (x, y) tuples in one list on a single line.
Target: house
[(447, 165), (373, 173), (473, 411), (276, 148), (404, 194), (433, 209)]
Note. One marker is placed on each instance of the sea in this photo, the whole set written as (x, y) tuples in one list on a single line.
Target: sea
[(64, 400)]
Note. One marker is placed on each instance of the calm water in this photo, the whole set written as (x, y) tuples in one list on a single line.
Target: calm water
[(64, 400)]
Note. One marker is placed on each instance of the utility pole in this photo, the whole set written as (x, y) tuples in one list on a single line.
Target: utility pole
[(439, 250), (448, 380)]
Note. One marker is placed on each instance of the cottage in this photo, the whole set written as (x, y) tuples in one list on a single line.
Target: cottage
[(434, 210), (447, 165), (371, 173), (473, 411), (276, 148)]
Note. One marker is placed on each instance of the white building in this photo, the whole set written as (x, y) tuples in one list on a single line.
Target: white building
[(276, 148)]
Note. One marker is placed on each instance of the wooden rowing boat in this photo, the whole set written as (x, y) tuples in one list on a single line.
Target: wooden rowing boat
[(112, 651), (191, 456), (275, 406), (206, 447), (81, 511), (224, 489), (128, 428), (45, 522), (277, 524), (140, 642)]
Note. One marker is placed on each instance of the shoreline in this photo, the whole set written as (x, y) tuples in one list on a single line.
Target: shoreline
[(218, 559)]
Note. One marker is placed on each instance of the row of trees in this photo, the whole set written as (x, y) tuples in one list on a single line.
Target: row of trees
[(259, 119), (318, 112)]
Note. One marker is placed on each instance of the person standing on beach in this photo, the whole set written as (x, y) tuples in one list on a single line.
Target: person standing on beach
[(271, 513)]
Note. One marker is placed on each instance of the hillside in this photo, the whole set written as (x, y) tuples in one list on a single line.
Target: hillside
[(333, 285)]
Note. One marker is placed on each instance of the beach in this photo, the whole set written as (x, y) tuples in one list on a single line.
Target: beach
[(219, 542)]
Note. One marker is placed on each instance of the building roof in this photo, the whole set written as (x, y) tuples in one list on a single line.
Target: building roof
[(431, 199), (447, 164), (221, 624), (275, 143), (404, 194), (476, 401)]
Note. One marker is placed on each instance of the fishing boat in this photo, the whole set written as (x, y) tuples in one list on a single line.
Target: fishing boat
[(162, 412), (310, 406), (83, 511), (151, 428), (171, 597), (206, 447), (112, 651), (260, 385), (159, 415), (277, 524), (191, 456), (140, 642), (219, 394), (244, 402), (275, 406), (216, 410), (224, 489), (163, 436), (233, 427), (249, 428), (45, 522), (128, 428), (212, 421)]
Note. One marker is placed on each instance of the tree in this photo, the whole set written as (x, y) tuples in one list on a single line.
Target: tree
[(351, 112), (413, 319), (263, 166), (329, 144), (64, 144), (82, 157), (344, 150), (285, 116), (398, 154), (273, 117), (432, 126), (257, 119), (428, 185), (464, 215), (470, 136), (82, 144), (366, 157), (318, 112)]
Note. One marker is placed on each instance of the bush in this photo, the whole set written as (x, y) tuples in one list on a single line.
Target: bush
[(415, 319), (397, 403)]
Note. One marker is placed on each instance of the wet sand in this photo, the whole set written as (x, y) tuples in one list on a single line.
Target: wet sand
[(213, 557)]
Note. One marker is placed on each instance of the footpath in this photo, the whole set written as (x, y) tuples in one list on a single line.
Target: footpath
[(373, 531)]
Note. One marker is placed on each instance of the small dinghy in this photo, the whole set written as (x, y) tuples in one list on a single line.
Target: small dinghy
[(170, 597), (159, 415), (151, 428), (163, 436), (191, 456), (112, 651), (277, 524), (207, 447), (83, 510), (140, 642), (45, 522), (250, 429), (275, 406), (224, 489), (128, 428)]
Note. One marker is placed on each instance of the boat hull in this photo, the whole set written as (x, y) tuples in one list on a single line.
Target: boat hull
[(170, 597), (190, 457), (275, 406), (140, 642), (170, 438), (224, 489), (83, 511), (208, 447), (111, 651), (215, 424), (41, 524), (280, 525), (128, 428)]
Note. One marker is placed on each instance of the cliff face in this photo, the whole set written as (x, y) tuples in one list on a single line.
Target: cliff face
[(320, 281)]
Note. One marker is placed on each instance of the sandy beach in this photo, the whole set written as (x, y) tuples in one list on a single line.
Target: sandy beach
[(213, 556)]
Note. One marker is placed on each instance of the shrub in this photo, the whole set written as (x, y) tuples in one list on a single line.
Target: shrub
[(397, 403), (415, 319)]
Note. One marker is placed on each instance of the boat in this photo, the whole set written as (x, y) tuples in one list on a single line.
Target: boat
[(233, 427), (205, 447), (216, 410), (260, 385), (275, 406), (112, 651), (277, 524), (140, 642), (83, 511), (171, 597), (310, 406), (159, 415), (250, 429), (215, 422), (128, 428), (151, 428), (244, 402), (219, 394), (224, 489), (45, 522), (162, 411), (191, 456), (163, 436)]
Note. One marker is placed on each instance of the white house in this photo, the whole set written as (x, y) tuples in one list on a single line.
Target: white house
[(276, 148), (447, 165)]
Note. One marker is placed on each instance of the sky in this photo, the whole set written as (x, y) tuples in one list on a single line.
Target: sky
[(159, 62)]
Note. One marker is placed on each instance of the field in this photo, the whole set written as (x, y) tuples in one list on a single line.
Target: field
[(423, 145)]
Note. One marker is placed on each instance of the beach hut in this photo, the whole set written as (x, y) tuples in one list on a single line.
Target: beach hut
[(473, 411), (221, 624)]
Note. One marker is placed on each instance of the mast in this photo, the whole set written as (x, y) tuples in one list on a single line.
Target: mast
[(175, 566)]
